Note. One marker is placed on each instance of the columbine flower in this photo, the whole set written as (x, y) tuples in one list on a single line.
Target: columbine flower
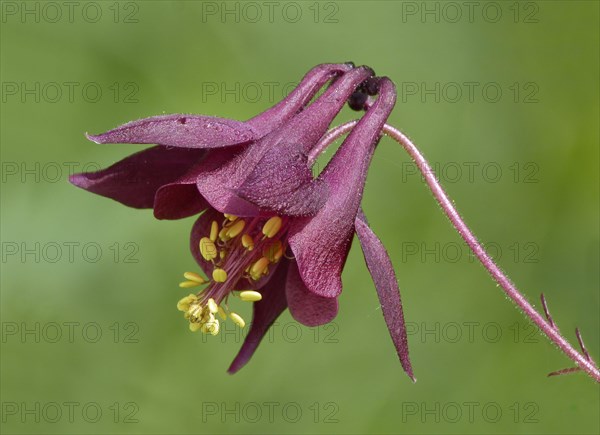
[(270, 234)]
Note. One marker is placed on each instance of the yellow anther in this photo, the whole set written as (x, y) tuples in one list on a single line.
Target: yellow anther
[(195, 327), (211, 327), (230, 217), (219, 275), (208, 250), (214, 231), (236, 228), (222, 254), (278, 254), (223, 234), (221, 312), (258, 268), (189, 284), (248, 242), (192, 276), (272, 226), (184, 303), (274, 251), (212, 306), (196, 311), (250, 296), (237, 319)]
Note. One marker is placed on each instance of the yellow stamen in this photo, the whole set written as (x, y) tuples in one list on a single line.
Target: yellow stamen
[(272, 226), (207, 249), (196, 311), (184, 303), (223, 234), (236, 228), (221, 312), (195, 327), (211, 326), (222, 254), (219, 275), (272, 251), (192, 276), (258, 268), (237, 319), (189, 284), (247, 242), (212, 306), (250, 296), (214, 231), (277, 256), (230, 217)]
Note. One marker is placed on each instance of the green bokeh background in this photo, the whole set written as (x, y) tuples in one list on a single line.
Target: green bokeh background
[(171, 381)]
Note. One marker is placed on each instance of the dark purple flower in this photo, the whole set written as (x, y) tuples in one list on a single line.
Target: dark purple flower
[(270, 233)]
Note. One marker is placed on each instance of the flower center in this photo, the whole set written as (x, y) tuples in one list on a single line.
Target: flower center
[(240, 252)]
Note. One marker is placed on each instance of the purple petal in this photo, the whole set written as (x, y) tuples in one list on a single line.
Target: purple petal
[(306, 307), (292, 191), (297, 99), (305, 129), (265, 313), (181, 198), (134, 180), (321, 243), (186, 131), (178, 200), (275, 170), (217, 180), (382, 271)]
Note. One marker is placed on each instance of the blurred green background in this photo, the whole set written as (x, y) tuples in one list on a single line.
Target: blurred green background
[(91, 339)]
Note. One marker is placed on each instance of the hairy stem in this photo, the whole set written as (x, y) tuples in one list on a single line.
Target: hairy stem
[(441, 197)]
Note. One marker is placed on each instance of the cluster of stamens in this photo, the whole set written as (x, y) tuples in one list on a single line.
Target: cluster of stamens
[(238, 250)]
